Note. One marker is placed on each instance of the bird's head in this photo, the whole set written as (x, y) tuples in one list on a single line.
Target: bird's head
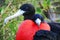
[(38, 19), (27, 10)]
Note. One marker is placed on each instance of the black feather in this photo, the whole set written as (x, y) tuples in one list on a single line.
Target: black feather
[(45, 35)]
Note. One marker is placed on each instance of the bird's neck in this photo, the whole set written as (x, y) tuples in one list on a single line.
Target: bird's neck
[(27, 17)]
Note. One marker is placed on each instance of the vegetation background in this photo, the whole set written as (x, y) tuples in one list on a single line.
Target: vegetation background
[(9, 7)]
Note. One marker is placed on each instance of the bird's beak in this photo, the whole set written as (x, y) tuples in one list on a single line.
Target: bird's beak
[(18, 13), (38, 21)]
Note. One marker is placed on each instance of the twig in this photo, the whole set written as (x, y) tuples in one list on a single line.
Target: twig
[(7, 6)]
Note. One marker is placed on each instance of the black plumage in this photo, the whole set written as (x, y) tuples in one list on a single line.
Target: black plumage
[(55, 27), (45, 35)]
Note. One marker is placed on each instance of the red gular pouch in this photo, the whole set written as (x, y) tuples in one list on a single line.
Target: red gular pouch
[(44, 26), (28, 28)]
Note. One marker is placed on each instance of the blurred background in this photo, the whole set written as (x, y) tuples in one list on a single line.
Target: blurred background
[(50, 9)]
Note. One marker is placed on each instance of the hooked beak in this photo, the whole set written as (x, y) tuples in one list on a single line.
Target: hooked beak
[(18, 13), (38, 21)]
